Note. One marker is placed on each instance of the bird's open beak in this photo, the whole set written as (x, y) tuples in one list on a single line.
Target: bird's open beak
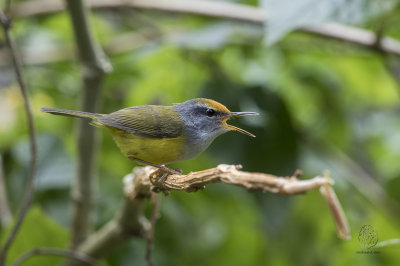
[(237, 114)]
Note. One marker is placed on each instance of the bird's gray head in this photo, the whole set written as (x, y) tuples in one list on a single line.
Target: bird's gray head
[(206, 119)]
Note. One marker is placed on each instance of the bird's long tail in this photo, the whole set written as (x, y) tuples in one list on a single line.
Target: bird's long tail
[(72, 113)]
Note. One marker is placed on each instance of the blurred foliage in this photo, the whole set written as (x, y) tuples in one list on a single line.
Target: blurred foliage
[(315, 96), (39, 231), (286, 15)]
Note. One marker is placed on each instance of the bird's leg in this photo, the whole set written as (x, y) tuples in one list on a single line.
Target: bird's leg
[(164, 175), (165, 171), (158, 177), (159, 166)]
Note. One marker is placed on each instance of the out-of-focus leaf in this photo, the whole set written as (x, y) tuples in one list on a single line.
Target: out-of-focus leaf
[(274, 150), (38, 230), (57, 27), (165, 77), (393, 188), (7, 77), (55, 168), (285, 16), (374, 130), (215, 36), (210, 226)]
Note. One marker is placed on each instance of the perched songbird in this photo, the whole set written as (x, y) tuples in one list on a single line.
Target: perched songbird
[(157, 135)]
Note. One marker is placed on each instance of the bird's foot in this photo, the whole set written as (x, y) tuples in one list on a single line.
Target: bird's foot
[(159, 176)]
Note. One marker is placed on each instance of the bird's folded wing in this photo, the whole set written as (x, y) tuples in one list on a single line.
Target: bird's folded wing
[(149, 121)]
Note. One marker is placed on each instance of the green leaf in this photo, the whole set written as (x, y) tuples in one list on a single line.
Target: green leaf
[(216, 36), (286, 15), (38, 230), (55, 168)]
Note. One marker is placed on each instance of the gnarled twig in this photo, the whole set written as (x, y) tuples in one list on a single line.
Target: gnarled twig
[(230, 174)]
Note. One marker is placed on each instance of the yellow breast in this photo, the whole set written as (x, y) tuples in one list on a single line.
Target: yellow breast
[(154, 150)]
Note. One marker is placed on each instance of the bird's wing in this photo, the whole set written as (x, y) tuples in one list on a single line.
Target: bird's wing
[(149, 121)]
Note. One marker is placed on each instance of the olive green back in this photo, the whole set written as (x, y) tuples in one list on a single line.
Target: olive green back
[(149, 121)]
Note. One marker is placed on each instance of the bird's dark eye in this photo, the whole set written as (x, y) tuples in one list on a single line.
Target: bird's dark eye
[(210, 112)]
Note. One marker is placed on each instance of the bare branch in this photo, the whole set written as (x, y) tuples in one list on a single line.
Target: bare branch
[(230, 174), (223, 10), (342, 226), (29, 190), (54, 252)]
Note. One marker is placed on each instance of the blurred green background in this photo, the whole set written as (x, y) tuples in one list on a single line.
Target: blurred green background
[(324, 104)]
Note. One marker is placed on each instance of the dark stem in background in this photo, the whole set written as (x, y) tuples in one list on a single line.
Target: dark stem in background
[(29, 190), (5, 213), (94, 66)]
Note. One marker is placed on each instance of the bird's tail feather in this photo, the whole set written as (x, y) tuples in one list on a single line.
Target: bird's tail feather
[(72, 113)]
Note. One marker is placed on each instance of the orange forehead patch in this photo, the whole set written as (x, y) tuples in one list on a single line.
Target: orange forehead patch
[(213, 104)]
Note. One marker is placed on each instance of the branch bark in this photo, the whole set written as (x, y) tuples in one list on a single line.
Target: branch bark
[(94, 66), (223, 10), (230, 174), (5, 21), (139, 186)]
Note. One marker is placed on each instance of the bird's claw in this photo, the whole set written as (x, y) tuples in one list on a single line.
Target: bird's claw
[(159, 176)]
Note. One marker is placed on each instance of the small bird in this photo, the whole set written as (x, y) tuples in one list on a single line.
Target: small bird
[(157, 135)]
